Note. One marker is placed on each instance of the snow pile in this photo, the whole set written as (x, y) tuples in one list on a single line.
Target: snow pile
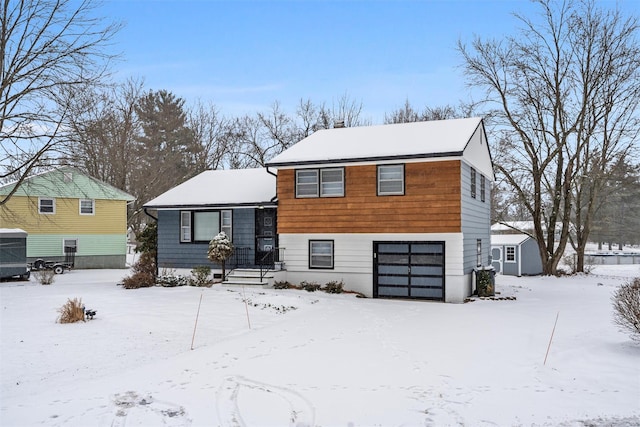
[(316, 359)]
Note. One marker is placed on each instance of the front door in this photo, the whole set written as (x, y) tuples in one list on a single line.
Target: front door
[(266, 236), (408, 270)]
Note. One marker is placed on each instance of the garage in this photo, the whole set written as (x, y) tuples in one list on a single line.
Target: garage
[(408, 270)]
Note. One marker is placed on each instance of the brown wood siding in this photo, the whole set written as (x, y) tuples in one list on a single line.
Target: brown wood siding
[(431, 203)]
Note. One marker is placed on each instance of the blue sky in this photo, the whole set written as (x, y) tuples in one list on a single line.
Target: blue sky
[(244, 55)]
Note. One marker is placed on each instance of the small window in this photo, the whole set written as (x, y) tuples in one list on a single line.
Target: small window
[(332, 182), (479, 252), (307, 183), (227, 223), (47, 206), (473, 183), (320, 182), (185, 226), (70, 246), (510, 256), (321, 254), (482, 188), (390, 180), (87, 207)]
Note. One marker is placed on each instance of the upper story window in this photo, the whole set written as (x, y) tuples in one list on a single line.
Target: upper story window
[(46, 206), (320, 182), (473, 183), (390, 180), (87, 207), (482, 188)]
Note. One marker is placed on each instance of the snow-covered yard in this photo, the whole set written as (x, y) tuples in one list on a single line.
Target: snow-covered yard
[(313, 359)]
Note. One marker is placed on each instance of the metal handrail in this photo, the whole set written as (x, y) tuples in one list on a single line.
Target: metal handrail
[(272, 256)]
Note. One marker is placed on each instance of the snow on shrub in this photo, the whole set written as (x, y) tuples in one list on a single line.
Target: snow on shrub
[(220, 249), (45, 276), (626, 305)]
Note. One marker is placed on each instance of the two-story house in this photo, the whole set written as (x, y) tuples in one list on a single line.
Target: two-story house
[(400, 210), (65, 211)]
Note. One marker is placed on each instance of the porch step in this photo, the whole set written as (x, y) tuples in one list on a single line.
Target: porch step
[(248, 277)]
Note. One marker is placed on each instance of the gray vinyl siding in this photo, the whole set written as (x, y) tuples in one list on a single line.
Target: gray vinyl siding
[(475, 218), (174, 254)]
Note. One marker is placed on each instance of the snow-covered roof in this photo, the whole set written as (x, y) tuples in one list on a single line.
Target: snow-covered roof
[(509, 239), (438, 138), (512, 226), (220, 188), (12, 232)]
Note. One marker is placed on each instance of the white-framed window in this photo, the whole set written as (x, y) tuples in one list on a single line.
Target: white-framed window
[(206, 225), (46, 206), (307, 183), (87, 207), (226, 224), (69, 246), (185, 226), (332, 182), (327, 182), (510, 255), (390, 180), (321, 254), (473, 183), (482, 188), (479, 252)]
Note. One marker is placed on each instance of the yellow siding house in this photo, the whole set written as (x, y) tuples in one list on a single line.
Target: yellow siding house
[(64, 210)]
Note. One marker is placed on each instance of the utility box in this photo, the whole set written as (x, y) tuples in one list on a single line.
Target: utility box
[(13, 253)]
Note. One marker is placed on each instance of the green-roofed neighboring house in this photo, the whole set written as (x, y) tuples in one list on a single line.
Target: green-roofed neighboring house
[(65, 210)]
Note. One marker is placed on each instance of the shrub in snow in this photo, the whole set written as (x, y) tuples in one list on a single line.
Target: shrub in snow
[(144, 272), (171, 281), (44, 276), (282, 285), (626, 305), (201, 276), (220, 249), (334, 287), (309, 286), (72, 311)]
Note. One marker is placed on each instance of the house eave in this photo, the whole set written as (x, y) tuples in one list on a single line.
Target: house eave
[(376, 159), (191, 206)]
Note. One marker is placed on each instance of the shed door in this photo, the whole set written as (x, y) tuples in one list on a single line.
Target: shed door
[(496, 259), (408, 270)]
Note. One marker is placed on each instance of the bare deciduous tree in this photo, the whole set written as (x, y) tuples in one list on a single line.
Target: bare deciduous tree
[(46, 48), (563, 91)]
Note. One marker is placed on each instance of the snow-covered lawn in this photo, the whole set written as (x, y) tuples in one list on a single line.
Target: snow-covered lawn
[(313, 359)]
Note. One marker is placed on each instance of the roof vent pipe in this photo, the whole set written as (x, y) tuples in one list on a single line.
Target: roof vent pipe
[(338, 124)]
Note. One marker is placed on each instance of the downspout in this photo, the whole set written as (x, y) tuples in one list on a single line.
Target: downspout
[(155, 260), (274, 198)]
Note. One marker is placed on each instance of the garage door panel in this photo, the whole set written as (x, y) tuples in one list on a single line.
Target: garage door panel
[(426, 259), (393, 269), (395, 291), (401, 248), (427, 271), (426, 281), (429, 248), (393, 280), (426, 293), (393, 259)]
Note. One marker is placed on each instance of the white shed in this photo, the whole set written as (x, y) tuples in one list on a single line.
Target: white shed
[(515, 255)]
